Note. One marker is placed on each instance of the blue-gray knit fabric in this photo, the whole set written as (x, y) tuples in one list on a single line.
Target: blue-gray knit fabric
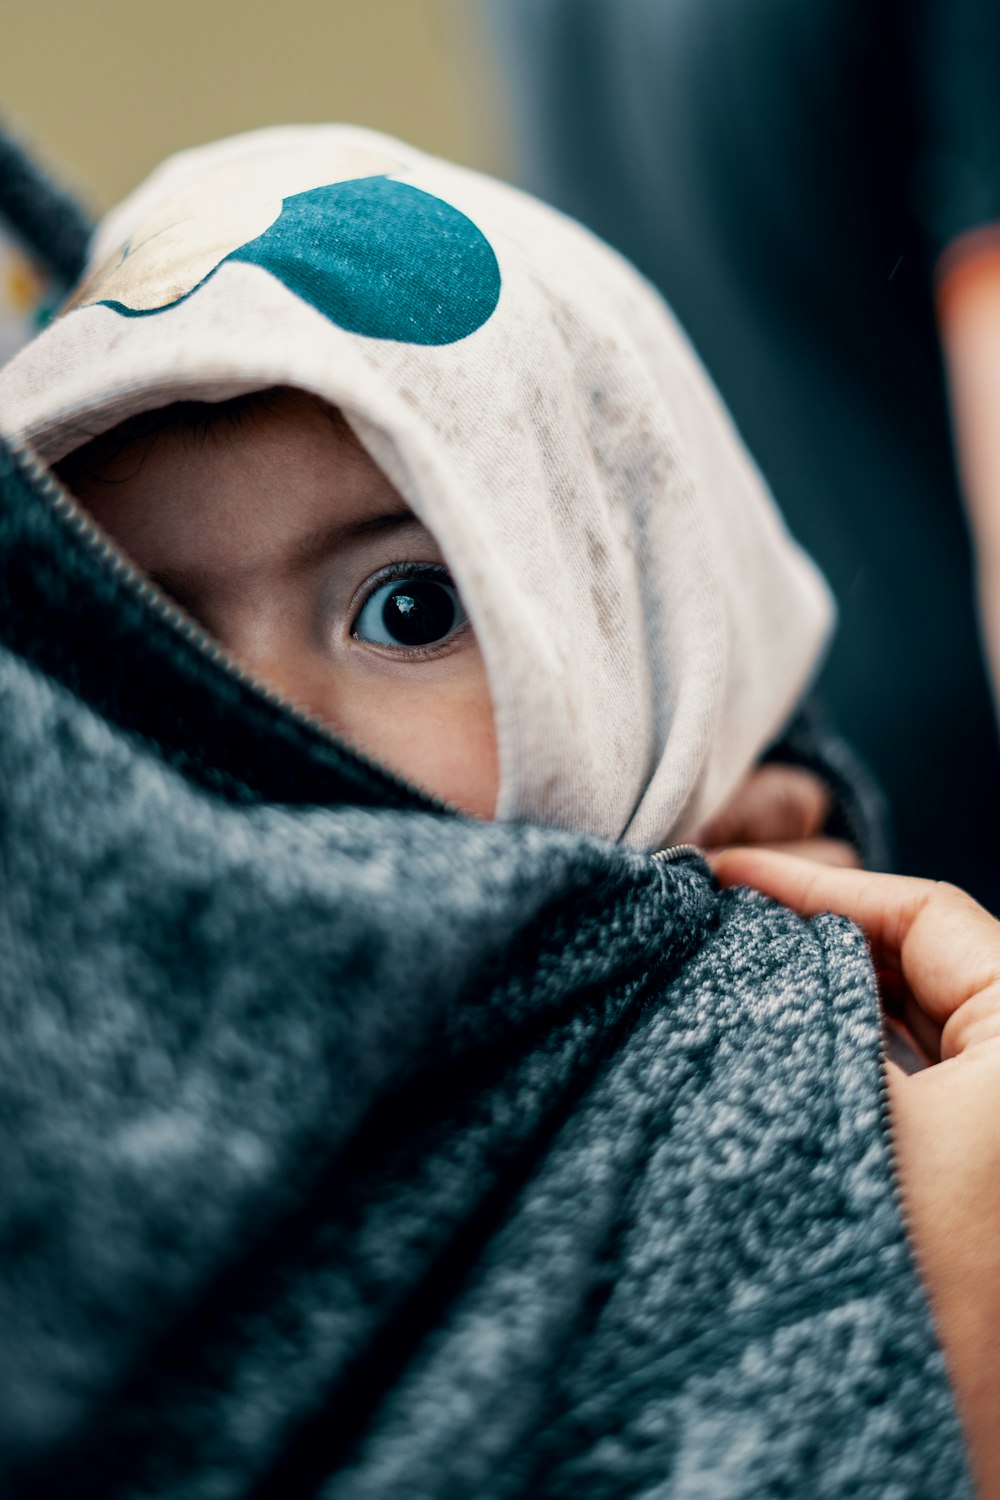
[(354, 1150)]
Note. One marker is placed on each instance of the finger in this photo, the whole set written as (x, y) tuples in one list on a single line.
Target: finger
[(774, 805), (946, 945), (972, 1024), (823, 851)]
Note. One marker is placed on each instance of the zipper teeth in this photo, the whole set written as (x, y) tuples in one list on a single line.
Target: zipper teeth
[(677, 851), (889, 1135), (106, 548)]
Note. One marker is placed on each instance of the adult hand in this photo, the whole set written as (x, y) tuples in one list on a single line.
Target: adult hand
[(938, 956), (778, 807)]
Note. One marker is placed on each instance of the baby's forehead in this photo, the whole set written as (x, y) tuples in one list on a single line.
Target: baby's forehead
[(237, 425), (276, 480)]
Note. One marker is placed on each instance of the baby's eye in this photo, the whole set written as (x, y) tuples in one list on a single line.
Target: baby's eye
[(415, 609)]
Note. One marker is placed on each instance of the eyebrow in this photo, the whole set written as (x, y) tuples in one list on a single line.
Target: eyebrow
[(312, 548), (326, 539)]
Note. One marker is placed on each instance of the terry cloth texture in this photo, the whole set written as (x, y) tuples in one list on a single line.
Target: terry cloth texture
[(646, 623), (351, 1150)]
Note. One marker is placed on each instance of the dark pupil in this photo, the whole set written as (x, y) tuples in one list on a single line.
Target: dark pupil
[(417, 613)]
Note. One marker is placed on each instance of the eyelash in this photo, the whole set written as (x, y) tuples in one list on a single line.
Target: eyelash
[(400, 570)]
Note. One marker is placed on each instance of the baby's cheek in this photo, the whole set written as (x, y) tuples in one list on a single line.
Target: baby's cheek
[(432, 724)]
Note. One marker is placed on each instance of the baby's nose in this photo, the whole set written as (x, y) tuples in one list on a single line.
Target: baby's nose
[(283, 659)]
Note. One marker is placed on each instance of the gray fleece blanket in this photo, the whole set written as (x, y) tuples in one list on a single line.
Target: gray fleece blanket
[(351, 1150)]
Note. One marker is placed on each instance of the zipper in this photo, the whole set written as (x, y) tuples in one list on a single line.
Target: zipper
[(889, 1136), (86, 528), (99, 542), (674, 852)]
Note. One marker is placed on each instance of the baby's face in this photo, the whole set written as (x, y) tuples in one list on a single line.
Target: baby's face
[(281, 536)]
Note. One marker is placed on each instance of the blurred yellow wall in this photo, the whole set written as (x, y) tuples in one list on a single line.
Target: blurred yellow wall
[(107, 88)]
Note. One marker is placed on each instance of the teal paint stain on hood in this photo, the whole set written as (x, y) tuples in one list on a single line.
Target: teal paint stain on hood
[(376, 257)]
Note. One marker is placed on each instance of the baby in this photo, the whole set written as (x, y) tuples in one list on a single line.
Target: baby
[(437, 467)]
